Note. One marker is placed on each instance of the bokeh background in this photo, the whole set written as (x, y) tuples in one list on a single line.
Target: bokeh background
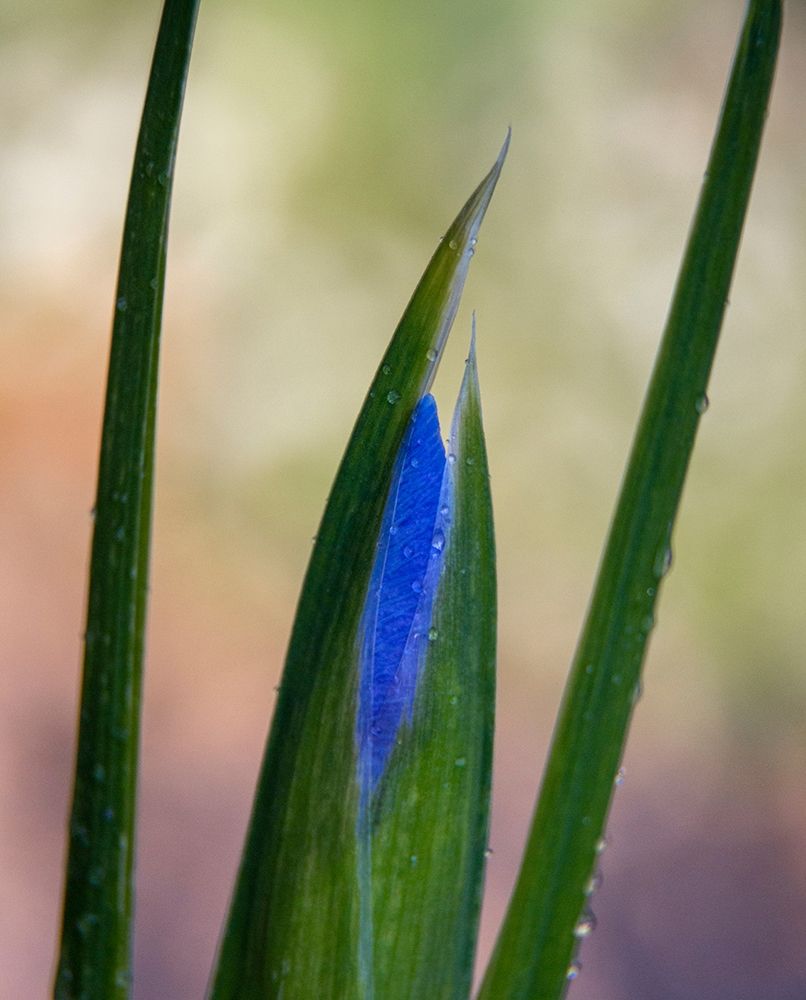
[(324, 149)]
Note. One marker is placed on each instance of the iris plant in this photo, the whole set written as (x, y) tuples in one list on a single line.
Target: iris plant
[(362, 872)]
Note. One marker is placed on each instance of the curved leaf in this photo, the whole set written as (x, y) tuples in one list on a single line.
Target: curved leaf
[(546, 916), (95, 958)]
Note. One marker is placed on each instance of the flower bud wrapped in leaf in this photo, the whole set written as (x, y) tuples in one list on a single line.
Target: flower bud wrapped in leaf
[(361, 873), (426, 709)]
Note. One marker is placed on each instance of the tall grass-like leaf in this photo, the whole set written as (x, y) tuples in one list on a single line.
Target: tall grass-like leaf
[(546, 916), (295, 923), (95, 957), (427, 822)]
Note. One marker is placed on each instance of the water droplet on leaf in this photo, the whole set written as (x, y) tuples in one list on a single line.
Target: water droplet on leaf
[(663, 561), (586, 925)]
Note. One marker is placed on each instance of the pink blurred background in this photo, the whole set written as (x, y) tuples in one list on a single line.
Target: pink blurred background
[(324, 150)]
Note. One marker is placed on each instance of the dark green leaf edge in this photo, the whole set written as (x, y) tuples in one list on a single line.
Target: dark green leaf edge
[(547, 914), (96, 939)]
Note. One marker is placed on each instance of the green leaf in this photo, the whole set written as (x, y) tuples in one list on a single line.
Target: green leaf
[(537, 943), (95, 957), (430, 825), (294, 923)]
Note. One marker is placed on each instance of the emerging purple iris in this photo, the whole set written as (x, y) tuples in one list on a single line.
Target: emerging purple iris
[(396, 624)]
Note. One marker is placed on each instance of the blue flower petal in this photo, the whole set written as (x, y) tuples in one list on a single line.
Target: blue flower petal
[(397, 615)]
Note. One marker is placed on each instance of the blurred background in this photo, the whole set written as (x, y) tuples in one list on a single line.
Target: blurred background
[(325, 148)]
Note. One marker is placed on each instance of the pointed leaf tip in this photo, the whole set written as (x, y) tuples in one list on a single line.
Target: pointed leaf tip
[(471, 354), (466, 227)]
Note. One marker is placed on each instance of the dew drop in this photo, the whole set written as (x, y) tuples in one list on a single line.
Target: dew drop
[(618, 781), (408, 552), (392, 397), (392, 529), (432, 635), (121, 304), (601, 844), (417, 587), (444, 511), (99, 772), (593, 884), (451, 458), (453, 700), (488, 852), (453, 244), (663, 561), (80, 833), (470, 460), (586, 925), (386, 369), (701, 404), (413, 860), (438, 542), (415, 462), (574, 970), (460, 762), (431, 354), (86, 923)]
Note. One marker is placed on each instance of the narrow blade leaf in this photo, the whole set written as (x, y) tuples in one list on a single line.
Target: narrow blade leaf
[(95, 957), (536, 945), (294, 927)]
